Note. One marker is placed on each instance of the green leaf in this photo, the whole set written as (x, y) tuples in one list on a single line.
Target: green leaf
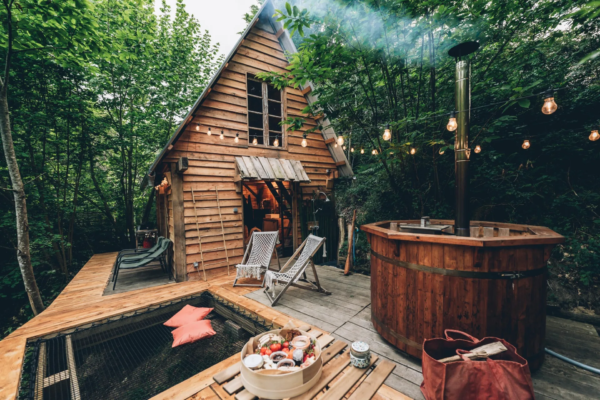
[(525, 103)]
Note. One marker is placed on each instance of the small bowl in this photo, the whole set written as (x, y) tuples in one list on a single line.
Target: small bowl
[(254, 361), (286, 363), (360, 362), (277, 355), (301, 342)]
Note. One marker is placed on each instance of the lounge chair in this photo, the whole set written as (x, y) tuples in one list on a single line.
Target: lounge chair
[(291, 276), (257, 258), (159, 254), (135, 254)]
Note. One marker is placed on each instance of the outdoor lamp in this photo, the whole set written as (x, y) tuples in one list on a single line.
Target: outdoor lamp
[(362, 151), (352, 148), (304, 143), (276, 142), (549, 105), (198, 127), (387, 134), (237, 138), (452, 125), (477, 149), (340, 140), (526, 144), (594, 136), (255, 141), (221, 136), (374, 152), (209, 131), (413, 151), (344, 148)]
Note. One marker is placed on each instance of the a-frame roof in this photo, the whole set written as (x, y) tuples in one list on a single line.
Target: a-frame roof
[(264, 18)]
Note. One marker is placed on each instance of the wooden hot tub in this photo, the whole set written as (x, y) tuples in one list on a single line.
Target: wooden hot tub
[(495, 285)]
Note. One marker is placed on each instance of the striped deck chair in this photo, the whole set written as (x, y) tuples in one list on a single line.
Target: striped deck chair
[(257, 258), (291, 276), (135, 254), (160, 255)]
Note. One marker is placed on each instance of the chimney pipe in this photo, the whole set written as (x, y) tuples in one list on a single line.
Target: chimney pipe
[(462, 153)]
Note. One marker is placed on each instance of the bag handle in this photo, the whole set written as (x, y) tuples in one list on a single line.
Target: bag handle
[(452, 334), (461, 353)]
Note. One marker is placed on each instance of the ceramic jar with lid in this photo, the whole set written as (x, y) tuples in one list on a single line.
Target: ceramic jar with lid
[(360, 354)]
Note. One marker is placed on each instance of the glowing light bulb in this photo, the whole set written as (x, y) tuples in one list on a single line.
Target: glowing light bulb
[(237, 138), (413, 151), (340, 140), (335, 145), (477, 149), (351, 149), (452, 125), (594, 136), (526, 144), (221, 136), (344, 148), (442, 151), (209, 131), (374, 152), (197, 127), (387, 134), (255, 141), (276, 142), (304, 142), (549, 106), (362, 151)]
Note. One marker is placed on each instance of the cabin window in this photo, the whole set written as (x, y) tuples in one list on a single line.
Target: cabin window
[(265, 113)]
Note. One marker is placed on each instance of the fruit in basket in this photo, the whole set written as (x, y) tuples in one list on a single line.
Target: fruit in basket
[(286, 345), (275, 347), (263, 351), (268, 352)]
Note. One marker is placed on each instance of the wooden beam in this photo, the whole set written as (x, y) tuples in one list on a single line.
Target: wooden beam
[(329, 141), (279, 33), (252, 191), (340, 163), (72, 369), (179, 255), (306, 90)]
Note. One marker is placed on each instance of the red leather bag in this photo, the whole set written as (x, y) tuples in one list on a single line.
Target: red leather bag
[(504, 376)]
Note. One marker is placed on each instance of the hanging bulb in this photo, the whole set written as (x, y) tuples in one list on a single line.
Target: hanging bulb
[(340, 140), (413, 151), (374, 152), (255, 141), (209, 131), (594, 136), (335, 145), (362, 151), (526, 144), (221, 136), (477, 149), (549, 105), (351, 149), (304, 142), (276, 142), (344, 148), (442, 151), (387, 134), (452, 125), (237, 138), (198, 127)]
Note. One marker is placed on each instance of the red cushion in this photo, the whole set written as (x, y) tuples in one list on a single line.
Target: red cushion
[(192, 332), (186, 315)]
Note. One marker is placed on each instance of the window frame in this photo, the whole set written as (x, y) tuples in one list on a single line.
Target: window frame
[(265, 114)]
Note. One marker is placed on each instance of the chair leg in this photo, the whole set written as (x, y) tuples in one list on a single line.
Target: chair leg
[(116, 276)]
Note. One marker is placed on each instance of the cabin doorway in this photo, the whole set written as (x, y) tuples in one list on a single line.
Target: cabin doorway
[(268, 207)]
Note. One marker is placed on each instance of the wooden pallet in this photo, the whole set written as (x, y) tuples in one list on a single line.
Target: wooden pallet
[(339, 379)]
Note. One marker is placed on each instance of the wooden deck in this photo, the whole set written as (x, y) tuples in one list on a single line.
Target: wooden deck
[(343, 316)]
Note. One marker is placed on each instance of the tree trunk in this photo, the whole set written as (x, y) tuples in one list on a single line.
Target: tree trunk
[(23, 254), (148, 207)]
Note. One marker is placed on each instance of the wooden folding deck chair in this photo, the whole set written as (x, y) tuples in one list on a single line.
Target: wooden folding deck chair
[(257, 258), (291, 276)]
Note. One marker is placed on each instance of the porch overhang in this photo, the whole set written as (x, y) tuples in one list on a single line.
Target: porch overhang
[(271, 169)]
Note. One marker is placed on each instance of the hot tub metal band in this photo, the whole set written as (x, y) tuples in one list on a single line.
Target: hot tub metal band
[(462, 274)]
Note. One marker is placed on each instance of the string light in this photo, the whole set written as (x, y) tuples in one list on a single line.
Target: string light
[(387, 135), (221, 136), (209, 131), (335, 145), (413, 151), (442, 151), (340, 140), (374, 152), (255, 141), (452, 125), (549, 105), (198, 127), (344, 148), (304, 142), (526, 144), (362, 151), (237, 138), (477, 149), (276, 142), (351, 149), (594, 135)]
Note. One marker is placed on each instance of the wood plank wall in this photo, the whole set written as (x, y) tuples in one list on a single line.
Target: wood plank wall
[(211, 160)]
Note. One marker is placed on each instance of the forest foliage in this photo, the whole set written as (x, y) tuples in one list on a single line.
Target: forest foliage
[(380, 62), (87, 125)]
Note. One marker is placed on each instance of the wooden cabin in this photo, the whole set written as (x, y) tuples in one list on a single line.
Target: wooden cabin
[(231, 168)]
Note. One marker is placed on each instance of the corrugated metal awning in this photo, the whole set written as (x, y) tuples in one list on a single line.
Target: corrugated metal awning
[(274, 169)]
